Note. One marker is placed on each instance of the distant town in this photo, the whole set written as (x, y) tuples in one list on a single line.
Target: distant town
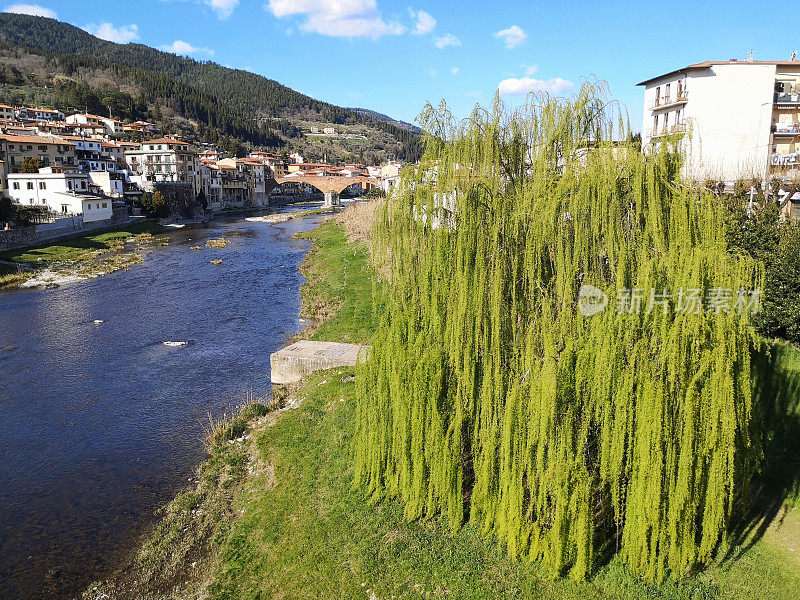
[(80, 166)]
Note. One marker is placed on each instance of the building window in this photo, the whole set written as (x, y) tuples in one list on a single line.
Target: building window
[(42, 185), (105, 204), (30, 185), (16, 185), (65, 208)]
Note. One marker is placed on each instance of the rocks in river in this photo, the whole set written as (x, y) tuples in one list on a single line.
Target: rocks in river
[(98, 321), (172, 344), (219, 243), (216, 262), (7, 348), (196, 248)]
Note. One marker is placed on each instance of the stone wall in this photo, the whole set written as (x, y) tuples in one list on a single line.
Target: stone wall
[(61, 229)]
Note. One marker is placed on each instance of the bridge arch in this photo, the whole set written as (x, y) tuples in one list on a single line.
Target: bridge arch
[(326, 184)]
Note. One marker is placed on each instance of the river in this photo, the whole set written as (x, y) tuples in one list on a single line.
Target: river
[(101, 423)]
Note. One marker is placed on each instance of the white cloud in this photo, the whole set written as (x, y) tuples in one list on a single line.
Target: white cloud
[(185, 48), (31, 9), (223, 8), (512, 37), (425, 22), (337, 18), (447, 40), (526, 85), (121, 35), (529, 69), (432, 72), (455, 70)]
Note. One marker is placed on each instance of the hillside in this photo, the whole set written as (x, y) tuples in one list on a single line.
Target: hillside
[(386, 119), (40, 54)]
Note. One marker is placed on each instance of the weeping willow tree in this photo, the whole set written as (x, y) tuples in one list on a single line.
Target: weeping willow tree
[(489, 397)]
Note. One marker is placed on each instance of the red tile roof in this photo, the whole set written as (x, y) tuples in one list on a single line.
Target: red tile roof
[(33, 139), (166, 141)]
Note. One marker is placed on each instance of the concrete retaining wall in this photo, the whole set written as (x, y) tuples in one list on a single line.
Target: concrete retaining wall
[(304, 357)]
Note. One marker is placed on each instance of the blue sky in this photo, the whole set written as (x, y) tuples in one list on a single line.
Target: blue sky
[(393, 56)]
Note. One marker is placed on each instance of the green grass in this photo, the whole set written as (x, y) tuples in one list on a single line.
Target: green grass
[(311, 536), (339, 281), (78, 248)]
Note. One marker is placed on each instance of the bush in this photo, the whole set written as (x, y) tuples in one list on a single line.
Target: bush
[(374, 193), (760, 234), (28, 215), (8, 210), (155, 205), (31, 164), (780, 308)]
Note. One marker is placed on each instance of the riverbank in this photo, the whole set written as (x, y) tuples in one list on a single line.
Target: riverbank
[(77, 258), (288, 216), (272, 512)]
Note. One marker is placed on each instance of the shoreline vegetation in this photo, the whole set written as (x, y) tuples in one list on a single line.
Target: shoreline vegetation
[(78, 258), (273, 513)]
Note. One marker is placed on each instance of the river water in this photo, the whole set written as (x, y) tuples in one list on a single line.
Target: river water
[(100, 424)]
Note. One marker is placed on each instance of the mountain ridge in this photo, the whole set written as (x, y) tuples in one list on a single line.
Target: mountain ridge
[(260, 107)]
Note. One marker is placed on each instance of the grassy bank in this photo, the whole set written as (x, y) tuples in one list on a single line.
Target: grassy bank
[(273, 514), (337, 295), (84, 256)]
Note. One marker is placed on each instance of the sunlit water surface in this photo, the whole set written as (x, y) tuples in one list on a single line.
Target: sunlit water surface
[(100, 424)]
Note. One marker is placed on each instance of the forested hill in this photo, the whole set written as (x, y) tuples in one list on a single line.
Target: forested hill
[(255, 109), (386, 119)]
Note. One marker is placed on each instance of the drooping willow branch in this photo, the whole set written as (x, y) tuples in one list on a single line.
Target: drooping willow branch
[(487, 396)]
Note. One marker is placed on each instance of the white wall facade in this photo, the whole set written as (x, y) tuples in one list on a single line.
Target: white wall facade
[(63, 193), (725, 116)]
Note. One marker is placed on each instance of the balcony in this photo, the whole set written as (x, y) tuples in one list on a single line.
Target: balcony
[(787, 100), (785, 160), (786, 129), (670, 101), (678, 129)]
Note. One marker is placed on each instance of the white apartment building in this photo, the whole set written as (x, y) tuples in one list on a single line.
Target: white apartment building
[(65, 193), (112, 183), (734, 118), (90, 154), (27, 113), (165, 160)]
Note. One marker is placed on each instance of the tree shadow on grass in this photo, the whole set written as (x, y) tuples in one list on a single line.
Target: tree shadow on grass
[(776, 412)]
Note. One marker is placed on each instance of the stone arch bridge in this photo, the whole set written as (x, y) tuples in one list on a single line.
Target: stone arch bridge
[(329, 185)]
